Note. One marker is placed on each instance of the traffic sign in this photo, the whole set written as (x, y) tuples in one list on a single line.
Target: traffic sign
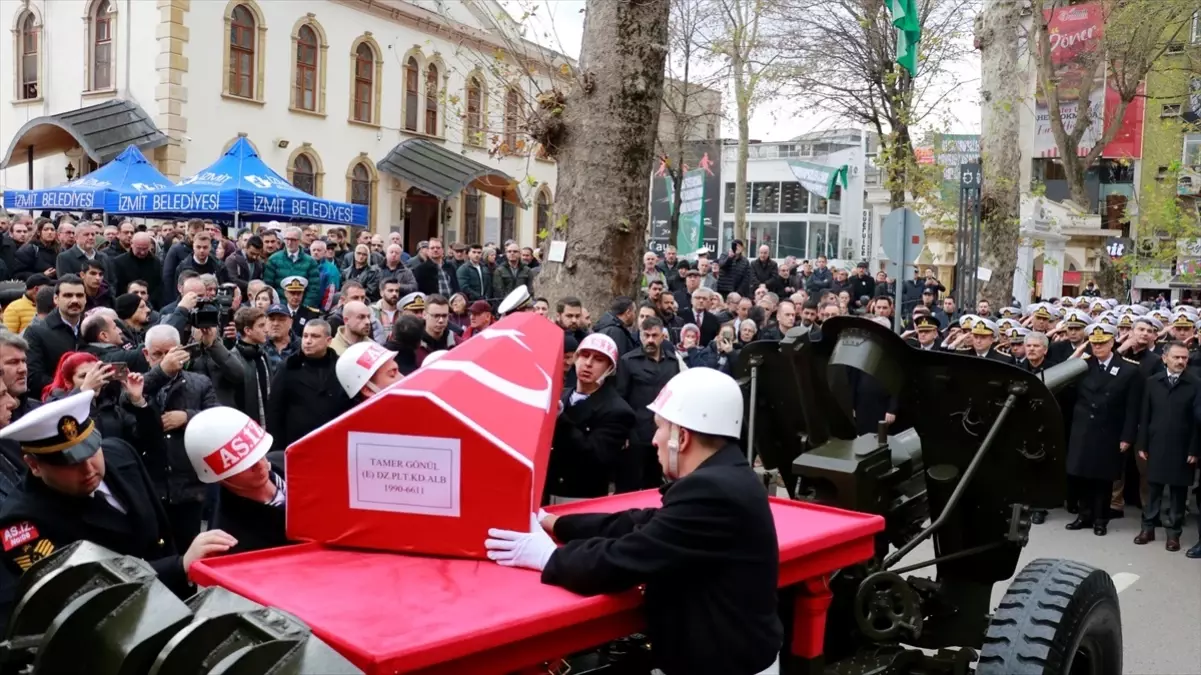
[(970, 177)]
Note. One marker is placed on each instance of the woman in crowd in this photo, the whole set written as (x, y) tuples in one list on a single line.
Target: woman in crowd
[(41, 253), (265, 298), (119, 409), (459, 318)]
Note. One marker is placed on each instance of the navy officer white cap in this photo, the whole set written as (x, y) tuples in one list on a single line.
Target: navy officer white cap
[(60, 432)]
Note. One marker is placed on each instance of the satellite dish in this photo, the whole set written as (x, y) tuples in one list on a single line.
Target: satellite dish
[(517, 300)]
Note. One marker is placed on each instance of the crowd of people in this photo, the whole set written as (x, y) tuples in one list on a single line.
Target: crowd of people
[(197, 357)]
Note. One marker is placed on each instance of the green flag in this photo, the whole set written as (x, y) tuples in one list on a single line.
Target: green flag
[(818, 178), (909, 32)]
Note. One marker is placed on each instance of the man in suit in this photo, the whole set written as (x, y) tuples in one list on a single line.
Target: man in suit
[(1167, 442), (700, 315), (592, 427), (1104, 426), (81, 486)]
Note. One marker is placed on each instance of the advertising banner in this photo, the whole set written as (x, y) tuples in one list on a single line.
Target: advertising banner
[(1076, 33), (950, 152), (692, 206), (818, 178), (701, 158)]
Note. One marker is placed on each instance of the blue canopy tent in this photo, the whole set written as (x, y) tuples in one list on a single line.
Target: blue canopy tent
[(130, 174), (242, 187)]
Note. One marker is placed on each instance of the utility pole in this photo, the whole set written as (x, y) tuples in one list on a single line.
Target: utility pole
[(997, 33)]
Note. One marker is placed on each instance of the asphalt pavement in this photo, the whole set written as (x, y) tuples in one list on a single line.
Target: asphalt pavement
[(1159, 592)]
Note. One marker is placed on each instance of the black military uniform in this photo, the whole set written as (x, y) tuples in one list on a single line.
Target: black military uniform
[(1108, 400), (254, 524), (120, 513), (589, 437), (709, 558), (987, 327), (928, 324), (302, 314)]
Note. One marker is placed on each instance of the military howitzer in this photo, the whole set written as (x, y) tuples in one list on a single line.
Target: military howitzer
[(983, 443), (88, 611)]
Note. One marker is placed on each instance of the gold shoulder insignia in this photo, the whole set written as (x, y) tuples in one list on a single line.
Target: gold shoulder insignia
[(33, 552), (1129, 360)]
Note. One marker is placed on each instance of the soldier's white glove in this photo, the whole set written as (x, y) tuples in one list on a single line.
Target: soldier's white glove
[(531, 550)]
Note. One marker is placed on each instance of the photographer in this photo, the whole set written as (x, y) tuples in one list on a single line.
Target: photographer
[(102, 337), (735, 276), (119, 408)]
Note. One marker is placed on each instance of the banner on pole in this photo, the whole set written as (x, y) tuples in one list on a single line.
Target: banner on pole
[(819, 178)]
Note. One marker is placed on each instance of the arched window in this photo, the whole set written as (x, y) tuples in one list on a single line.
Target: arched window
[(360, 186), (475, 113), (508, 220), (28, 49), (306, 68), (471, 216), (101, 23), (543, 217), (241, 52), (412, 93), (364, 83), (304, 176), (512, 111), (431, 100)]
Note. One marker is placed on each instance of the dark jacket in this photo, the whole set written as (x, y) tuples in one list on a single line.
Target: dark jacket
[(129, 355), (179, 251), (613, 327), (862, 286), (426, 275), (129, 268), (735, 275), (639, 380), (710, 326), (255, 525), (8, 255), (763, 272), (368, 276), (174, 479), (1167, 428), (304, 395), (505, 278), (671, 273), (252, 389), (475, 282), (821, 279), (589, 437), (71, 261), (1108, 402), (709, 558), (210, 266), (241, 271), (56, 520), (48, 341), (402, 274), (33, 258)]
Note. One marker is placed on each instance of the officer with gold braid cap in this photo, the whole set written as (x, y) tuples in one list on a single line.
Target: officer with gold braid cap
[(84, 487)]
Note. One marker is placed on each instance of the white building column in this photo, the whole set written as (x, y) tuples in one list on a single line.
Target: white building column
[(1023, 273), (1053, 255)]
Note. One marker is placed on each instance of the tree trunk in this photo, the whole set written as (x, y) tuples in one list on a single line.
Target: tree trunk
[(610, 120), (1001, 157), (744, 141), (677, 180), (900, 157)]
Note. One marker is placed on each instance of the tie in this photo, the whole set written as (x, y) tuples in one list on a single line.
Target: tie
[(1172, 380)]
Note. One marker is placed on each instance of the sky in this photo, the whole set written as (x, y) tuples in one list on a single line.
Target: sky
[(559, 25)]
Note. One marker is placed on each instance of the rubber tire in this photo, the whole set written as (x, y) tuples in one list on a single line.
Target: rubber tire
[(1051, 611)]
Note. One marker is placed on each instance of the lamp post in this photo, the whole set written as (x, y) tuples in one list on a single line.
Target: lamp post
[(70, 171)]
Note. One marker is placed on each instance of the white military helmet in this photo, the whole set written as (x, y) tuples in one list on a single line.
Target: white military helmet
[(703, 400), (434, 356), (517, 300), (603, 344), (223, 442), (358, 364)]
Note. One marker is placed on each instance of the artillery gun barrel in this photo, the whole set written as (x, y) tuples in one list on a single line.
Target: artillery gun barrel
[(1061, 375)]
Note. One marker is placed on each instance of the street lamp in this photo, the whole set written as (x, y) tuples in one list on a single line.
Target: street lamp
[(70, 171)]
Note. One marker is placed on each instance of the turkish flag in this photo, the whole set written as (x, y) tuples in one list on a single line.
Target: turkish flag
[(432, 462)]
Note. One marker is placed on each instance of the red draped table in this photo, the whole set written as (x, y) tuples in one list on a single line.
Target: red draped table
[(393, 613)]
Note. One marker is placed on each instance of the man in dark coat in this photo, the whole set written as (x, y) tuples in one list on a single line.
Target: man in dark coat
[(1104, 426), (305, 393), (641, 374), (616, 324), (734, 272), (140, 264), (1167, 441), (437, 275), (698, 313), (57, 335), (763, 268), (592, 427)]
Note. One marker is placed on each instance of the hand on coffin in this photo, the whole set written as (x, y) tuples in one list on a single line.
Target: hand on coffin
[(547, 521), (531, 550)]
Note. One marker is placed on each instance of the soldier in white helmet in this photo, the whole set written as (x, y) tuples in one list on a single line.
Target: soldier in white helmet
[(708, 556), (593, 425), (228, 448), (365, 369)]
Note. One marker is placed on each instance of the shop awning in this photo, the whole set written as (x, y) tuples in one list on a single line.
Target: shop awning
[(443, 173), (103, 131)]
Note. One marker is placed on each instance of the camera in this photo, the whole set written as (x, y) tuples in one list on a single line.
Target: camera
[(215, 313)]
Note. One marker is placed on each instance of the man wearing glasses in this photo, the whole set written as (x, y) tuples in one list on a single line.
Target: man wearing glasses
[(294, 261)]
